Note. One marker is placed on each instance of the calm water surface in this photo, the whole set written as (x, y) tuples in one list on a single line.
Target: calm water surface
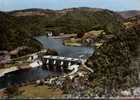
[(66, 51), (22, 76)]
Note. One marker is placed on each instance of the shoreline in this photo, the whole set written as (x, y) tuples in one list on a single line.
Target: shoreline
[(4, 71), (12, 69)]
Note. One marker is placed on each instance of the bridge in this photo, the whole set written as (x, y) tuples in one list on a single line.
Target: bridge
[(60, 64)]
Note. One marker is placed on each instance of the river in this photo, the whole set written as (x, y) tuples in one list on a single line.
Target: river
[(23, 76), (57, 44)]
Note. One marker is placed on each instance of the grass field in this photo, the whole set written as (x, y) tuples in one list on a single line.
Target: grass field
[(40, 91)]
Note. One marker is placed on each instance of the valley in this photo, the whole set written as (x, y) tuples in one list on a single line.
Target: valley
[(106, 41)]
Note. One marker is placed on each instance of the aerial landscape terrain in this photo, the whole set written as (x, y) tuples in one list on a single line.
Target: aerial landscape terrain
[(73, 52)]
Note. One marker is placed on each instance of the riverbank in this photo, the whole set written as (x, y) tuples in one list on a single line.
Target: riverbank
[(12, 69), (23, 62), (38, 73), (7, 70), (72, 42), (66, 51)]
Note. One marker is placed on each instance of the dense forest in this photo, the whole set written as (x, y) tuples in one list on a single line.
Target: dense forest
[(114, 63), (17, 28), (14, 34), (110, 62)]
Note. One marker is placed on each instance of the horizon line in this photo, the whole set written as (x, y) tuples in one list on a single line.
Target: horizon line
[(37, 8)]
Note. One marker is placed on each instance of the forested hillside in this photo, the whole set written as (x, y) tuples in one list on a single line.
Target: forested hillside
[(17, 30), (112, 62)]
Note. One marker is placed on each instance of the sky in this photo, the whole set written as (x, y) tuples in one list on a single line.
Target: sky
[(116, 5)]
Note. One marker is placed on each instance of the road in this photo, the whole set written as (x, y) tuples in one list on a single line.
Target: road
[(64, 36)]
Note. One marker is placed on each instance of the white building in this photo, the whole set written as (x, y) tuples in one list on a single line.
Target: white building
[(50, 34)]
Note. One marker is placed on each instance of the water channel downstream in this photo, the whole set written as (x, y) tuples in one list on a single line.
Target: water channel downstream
[(22, 76)]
